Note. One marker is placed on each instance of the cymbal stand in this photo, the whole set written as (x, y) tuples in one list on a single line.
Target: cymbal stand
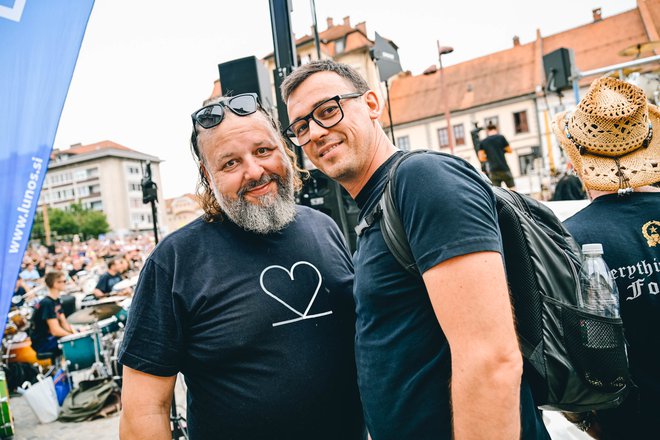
[(98, 366), (179, 429)]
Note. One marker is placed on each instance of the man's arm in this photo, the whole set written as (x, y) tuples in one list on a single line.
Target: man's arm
[(471, 301), (482, 156), (508, 149), (64, 323), (146, 401), (56, 329)]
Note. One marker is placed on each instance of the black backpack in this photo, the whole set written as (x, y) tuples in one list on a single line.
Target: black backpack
[(574, 360)]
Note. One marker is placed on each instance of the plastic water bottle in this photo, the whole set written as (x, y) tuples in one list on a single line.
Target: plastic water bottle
[(599, 292)]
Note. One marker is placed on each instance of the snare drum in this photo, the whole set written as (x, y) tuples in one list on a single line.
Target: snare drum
[(6, 419), (109, 325), (79, 350)]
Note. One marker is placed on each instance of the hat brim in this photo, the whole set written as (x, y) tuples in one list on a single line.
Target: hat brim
[(641, 167)]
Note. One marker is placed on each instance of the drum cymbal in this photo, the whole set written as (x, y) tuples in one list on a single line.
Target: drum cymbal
[(93, 314), (638, 49)]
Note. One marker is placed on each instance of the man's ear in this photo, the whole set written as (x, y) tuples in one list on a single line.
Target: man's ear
[(374, 103)]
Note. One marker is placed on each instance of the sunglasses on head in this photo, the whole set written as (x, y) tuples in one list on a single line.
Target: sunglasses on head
[(212, 115)]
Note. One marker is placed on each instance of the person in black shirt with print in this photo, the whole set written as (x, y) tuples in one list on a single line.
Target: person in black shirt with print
[(48, 320)]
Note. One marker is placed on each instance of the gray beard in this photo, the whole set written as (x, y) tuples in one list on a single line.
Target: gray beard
[(274, 212)]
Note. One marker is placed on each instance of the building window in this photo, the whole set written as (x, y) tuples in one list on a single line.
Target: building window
[(494, 120), (526, 162), (403, 143), (443, 137), (520, 122), (133, 170), (339, 46), (134, 187), (459, 134)]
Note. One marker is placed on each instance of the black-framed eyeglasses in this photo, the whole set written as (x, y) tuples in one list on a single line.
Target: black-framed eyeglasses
[(327, 114), (212, 115)]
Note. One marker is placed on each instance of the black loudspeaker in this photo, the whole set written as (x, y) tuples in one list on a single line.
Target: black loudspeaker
[(246, 75), (68, 304), (558, 66), (324, 194)]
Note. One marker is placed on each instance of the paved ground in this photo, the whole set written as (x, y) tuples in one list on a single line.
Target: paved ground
[(27, 427)]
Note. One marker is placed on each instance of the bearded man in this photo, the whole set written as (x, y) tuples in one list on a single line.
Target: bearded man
[(252, 302)]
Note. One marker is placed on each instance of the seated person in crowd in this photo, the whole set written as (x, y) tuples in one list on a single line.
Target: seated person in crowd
[(108, 280), (30, 275), (48, 320)]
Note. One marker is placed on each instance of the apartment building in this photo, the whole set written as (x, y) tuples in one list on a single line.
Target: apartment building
[(103, 176)]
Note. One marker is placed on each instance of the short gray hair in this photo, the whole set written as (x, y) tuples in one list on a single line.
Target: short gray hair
[(303, 72)]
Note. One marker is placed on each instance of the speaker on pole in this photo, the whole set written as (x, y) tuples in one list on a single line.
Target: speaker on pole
[(246, 75), (558, 66)]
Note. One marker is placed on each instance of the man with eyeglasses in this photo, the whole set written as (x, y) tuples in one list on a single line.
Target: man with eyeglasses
[(48, 321), (252, 302), (437, 354)]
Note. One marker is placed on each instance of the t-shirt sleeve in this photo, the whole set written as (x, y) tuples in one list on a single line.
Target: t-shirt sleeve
[(153, 337), (102, 284), (447, 209), (48, 310)]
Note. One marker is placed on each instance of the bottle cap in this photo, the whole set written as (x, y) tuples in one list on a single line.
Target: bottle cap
[(592, 248)]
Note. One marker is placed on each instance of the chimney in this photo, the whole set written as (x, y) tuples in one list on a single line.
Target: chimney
[(598, 14), (516, 41), (347, 21), (362, 27), (330, 23)]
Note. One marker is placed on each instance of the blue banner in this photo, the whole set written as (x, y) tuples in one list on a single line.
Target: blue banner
[(39, 45)]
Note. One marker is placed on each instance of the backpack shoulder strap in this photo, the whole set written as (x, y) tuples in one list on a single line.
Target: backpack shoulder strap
[(390, 221)]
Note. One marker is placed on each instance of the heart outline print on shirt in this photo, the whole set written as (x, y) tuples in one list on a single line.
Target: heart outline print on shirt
[(301, 315)]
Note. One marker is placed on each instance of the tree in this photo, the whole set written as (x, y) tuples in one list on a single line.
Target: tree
[(75, 220), (93, 223)]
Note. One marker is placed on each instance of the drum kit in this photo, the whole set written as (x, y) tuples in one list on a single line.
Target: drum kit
[(100, 328)]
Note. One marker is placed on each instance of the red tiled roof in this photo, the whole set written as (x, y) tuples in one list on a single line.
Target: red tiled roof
[(518, 71), (355, 38), (81, 149)]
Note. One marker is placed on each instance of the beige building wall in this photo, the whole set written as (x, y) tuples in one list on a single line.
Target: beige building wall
[(109, 184), (424, 134)]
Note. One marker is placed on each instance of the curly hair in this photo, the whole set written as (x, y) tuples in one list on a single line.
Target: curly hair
[(204, 191)]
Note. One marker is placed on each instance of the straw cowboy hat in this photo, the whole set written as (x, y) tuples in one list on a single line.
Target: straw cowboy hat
[(610, 138)]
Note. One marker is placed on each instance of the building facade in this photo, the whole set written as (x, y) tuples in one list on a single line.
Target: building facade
[(179, 211), (507, 88), (106, 177)]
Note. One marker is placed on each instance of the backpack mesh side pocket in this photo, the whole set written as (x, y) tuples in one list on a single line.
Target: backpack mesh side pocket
[(595, 346)]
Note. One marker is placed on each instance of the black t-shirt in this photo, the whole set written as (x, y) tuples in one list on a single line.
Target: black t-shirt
[(47, 308), (569, 187), (261, 326), (402, 355), (494, 146), (628, 227), (106, 282)]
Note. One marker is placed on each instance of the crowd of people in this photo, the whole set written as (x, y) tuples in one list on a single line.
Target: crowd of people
[(52, 274), (280, 333)]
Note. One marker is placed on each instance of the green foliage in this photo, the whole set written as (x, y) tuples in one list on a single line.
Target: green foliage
[(75, 220)]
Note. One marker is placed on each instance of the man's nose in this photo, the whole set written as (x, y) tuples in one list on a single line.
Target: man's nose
[(253, 169), (316, 131)]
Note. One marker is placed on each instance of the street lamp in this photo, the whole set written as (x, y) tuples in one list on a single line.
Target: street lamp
[(443, 50)]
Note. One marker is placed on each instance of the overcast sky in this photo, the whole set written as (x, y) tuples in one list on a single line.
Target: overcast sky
[(145, 65)]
